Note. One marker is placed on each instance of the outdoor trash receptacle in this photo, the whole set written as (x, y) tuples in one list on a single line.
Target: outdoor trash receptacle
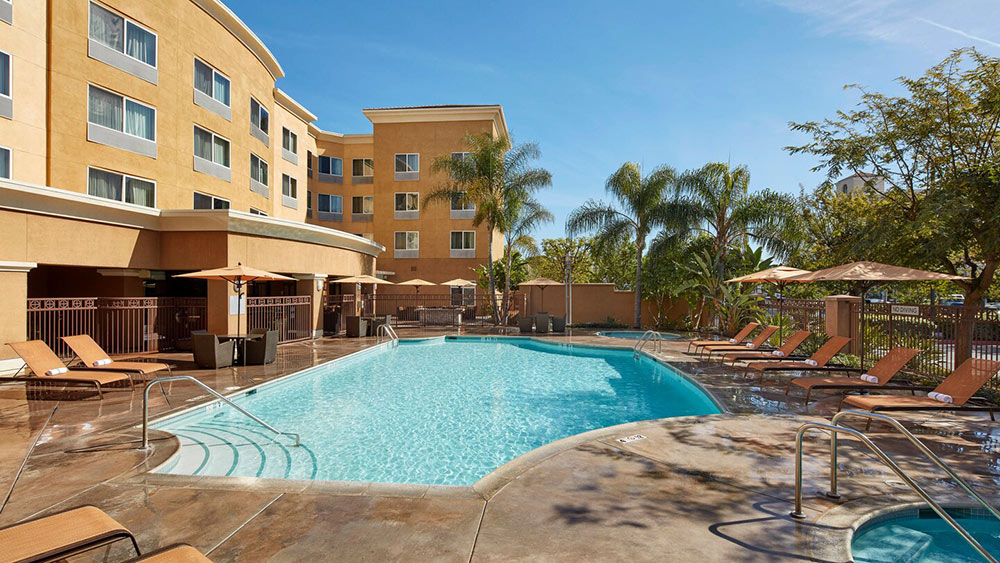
[(356, 327)]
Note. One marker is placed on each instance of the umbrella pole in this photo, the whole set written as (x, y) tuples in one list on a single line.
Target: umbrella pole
[(781, 312), (239, 323)]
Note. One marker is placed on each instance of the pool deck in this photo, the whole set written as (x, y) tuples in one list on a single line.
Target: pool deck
[(716, 488)]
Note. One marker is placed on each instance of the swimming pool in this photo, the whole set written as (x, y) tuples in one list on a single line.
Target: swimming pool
[(920, 536), (632, 334), (439, 411)]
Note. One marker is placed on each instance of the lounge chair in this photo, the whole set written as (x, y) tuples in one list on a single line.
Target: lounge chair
[(759, 342), (177, 553), (736, 339), (48, 368), (783, 353), (820, 361), (524, 324), (209, 353), (94, 357), (263, 350), (61, 535), (883, 370), (955, 393)]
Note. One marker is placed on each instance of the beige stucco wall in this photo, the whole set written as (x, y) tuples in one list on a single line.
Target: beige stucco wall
[(25, 42)]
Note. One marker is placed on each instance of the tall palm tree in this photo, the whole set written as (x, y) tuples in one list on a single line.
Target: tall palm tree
[(644, 203), (522, 217), (491, 174)]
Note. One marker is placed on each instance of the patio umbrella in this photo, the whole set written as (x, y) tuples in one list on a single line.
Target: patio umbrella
[(416, 283), (364, 279), (459, 282), (541, 284), (780, 275), (238, 275)]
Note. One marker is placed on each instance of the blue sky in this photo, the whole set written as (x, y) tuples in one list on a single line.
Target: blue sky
[(595, 85)]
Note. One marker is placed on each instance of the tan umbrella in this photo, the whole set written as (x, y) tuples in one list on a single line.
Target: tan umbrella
[(459, 282), (779, 275), (363, 279), (238, 275), (416, 283), (541, 284)]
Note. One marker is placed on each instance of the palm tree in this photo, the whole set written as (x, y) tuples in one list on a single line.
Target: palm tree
[(643, 204), (522, 217), (491, 174)]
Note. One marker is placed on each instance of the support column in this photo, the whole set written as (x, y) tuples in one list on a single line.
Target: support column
[(842, 321), (14, 304), (222, 317), (313, 285)]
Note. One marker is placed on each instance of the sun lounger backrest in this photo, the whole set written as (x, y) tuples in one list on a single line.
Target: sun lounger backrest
[(794, 341), (761, 339), (37, 354), (743, 334), (890, 364), (967, 379), (86, 348), (829, 349)]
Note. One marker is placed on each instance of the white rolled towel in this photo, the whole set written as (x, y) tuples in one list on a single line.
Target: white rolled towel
[(778, 353), (812, 362), (941, 397), (732, 341), (751, 345), (869, 378), (102, 362), (57, 371)]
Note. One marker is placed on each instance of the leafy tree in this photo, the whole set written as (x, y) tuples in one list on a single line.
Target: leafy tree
[(522, 215), (491, 175), (663, 280), (643, 204), (936, 149), (551, 261), (733, 303), (613, 264), (519, 271)]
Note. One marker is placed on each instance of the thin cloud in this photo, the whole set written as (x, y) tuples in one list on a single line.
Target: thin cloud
[(957, 31)]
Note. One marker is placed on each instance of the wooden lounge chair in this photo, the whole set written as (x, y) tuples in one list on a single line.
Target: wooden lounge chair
[(177, 553), (42, 361), (94, 357), (960, 387), (787, 349), (883, 370), (820, 361), (759, 342), (736, 339), (61, 535)]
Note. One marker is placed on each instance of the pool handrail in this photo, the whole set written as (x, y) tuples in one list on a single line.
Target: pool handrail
[(916, 442), (647, 336), (389, 333), (219, 396), (835, 429)]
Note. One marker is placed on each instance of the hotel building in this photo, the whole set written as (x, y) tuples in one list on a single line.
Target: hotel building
[(139, 140)]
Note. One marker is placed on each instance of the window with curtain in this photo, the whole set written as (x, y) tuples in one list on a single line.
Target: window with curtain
[(122, 35), (330, 203), (463, 240), (211, 82), (289, 141), (364, 205), (4, 163), (211, 147), (258, 169), (407, 240), (407, 201), (457, 203), (121, 187), (205, 201), (220, 88), (220, 151), (102, 183), (258, 115), (105, 109), (4, 74), (140, 192), (140, 120), (289, 186), (408, 162), (363, 167), (331, 165)]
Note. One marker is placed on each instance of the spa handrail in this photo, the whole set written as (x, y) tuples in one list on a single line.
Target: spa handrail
[(647, 336), (834, 429), (158, 380)]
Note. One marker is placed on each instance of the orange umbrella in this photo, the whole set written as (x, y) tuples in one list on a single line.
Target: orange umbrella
[(779, 275)]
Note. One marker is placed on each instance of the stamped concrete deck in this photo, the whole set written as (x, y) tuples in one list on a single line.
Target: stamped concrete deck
[(714, 488)]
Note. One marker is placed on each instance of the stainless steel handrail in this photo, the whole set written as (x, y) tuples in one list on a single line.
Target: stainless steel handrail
[(158, 380), (834, 429), (646, 337), (909, 436), (390, 333)]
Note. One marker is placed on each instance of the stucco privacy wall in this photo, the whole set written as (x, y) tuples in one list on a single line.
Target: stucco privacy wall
[(595, 303)]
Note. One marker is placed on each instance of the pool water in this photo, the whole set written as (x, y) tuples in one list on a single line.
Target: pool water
[(631, 334), (436, 411), (926, 539)]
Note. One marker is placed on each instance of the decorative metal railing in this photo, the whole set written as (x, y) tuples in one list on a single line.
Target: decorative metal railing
[(291, 316)]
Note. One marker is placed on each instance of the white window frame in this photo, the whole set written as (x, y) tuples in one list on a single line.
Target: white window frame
[(329, 176), (253, 126), (124, 113), (255, 211), (212, 93), (363, 175), (462, 252), (214, 198), (8, 14), (292, 155), (329, 215), (208, 100), (406, 213), (411, 172), (214, 135), (363, 216), (290, 200), (125, 21), (407, 251), (124, 177), (10, 161), (10, 75), (256, 186)]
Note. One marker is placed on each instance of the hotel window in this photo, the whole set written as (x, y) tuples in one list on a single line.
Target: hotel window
[(121, 122), (331, 166), (458, 156), (6, 101), (259, 121), (362, 167), (407, 240), (309, 164), (121, 187), (463, 244), (330, 207), (363, 205), (463, 296), (211, 90), (289, 146), (258, 175), (289, 191), (211, 147), (408, 166), (206, 201), (309, 203), (407, 205), (7, 11), (255, 211), (5, 163), (459, 203), (122, 35)]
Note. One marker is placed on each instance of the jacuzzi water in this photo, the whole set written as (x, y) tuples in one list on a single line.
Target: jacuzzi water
[(437, 411), (631, 334), (926, 539)]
